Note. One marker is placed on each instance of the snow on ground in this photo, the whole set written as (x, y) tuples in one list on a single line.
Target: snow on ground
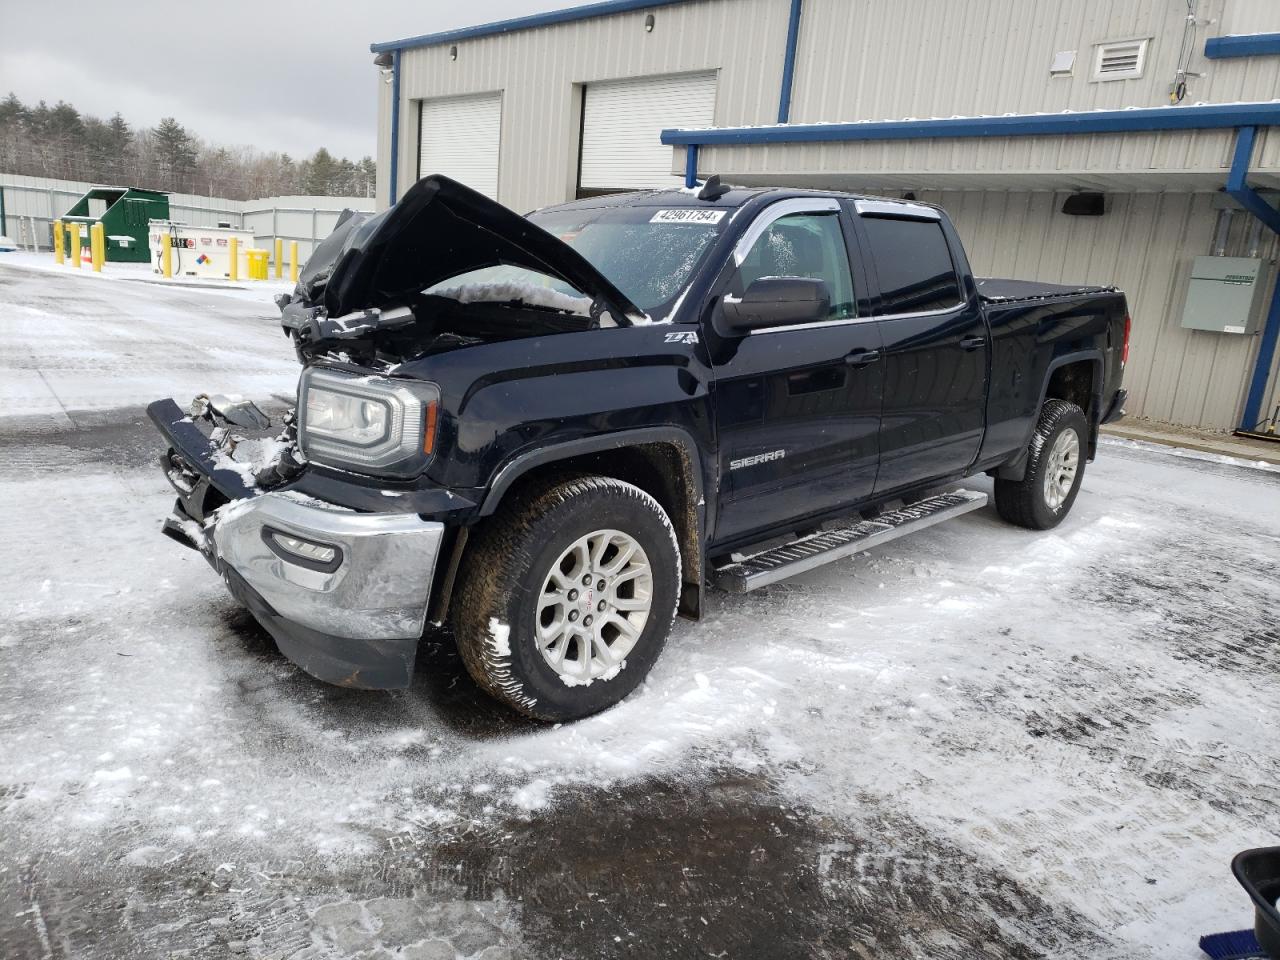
[(977, 741), (76, 342)]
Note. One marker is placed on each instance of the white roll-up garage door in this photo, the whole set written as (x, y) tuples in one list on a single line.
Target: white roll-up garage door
[(459, 138), (623, 119)]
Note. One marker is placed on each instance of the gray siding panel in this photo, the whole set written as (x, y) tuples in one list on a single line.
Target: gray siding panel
[(928, 58), (873, 60), (1144, 245), (540, 72)]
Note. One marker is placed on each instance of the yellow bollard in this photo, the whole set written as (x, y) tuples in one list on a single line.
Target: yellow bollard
[(279, 258), (233, 251), (293, 261), (96, 247), (59, 242), (166, 255), (75, 245)]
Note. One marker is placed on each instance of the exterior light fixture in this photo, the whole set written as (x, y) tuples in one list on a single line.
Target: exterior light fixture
[(453, 52), (384, 62), (648, 23)]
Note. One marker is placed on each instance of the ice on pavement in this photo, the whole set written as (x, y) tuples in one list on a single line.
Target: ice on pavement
[(1090, 711), (116, 344)]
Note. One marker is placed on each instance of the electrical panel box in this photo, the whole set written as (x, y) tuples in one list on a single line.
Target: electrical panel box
[(1225, 295)]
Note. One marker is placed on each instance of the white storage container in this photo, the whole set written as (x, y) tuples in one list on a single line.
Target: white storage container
[(199, 251)]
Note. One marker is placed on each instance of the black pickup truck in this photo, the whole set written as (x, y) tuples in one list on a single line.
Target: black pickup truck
[(553, 432)]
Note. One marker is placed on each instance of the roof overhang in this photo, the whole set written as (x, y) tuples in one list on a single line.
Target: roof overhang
[(1058, 181), (1215, 116), (602, 9), (1154, 149)]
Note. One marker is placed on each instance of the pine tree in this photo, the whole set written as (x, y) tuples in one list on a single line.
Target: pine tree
[(323, 171), (59, 141), (12, 112), (175, 151)]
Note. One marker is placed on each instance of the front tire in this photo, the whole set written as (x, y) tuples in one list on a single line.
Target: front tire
[(567, 596), (1055, 469)]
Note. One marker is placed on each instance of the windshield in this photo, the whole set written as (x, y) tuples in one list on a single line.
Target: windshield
[(648, 253)]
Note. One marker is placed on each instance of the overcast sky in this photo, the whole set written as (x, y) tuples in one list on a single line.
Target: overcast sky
[(275, 74)]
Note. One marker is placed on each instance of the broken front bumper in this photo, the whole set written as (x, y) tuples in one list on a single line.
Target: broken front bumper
[(350, 607)]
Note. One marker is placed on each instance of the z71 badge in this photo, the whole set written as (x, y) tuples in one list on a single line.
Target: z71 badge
[(690, 336)]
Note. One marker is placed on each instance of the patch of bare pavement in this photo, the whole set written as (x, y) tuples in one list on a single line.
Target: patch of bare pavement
[(723, 868)]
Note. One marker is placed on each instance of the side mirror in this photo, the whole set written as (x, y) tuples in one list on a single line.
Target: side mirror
[(776, 302)]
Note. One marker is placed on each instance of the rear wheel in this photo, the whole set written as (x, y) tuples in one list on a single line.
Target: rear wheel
[(567, 596), (1055, 469)]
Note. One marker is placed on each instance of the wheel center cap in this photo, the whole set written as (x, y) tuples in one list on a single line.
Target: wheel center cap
[(586, 600)]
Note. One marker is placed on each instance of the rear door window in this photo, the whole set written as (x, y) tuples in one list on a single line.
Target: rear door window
[(913, 263)]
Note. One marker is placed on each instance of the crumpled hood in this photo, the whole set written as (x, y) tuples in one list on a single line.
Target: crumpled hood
[(439, 229)]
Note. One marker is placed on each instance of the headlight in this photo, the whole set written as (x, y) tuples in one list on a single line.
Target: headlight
[(369, 424)]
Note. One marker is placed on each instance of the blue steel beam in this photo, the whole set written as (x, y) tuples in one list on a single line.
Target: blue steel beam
[(789, 62), (691, 165), (1237, 181), (1147, 119), (395, 124), (1239, 189), (1245, 45)]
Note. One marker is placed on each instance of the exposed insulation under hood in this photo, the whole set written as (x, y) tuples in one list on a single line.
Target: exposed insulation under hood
[(438, 230)]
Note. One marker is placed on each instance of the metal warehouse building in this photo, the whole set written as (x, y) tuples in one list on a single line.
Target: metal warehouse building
[(1104, 141)]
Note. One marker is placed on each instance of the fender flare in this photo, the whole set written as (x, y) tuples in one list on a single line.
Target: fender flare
[(522, 463), (1100, 369), (1016, 468), (691, 595)]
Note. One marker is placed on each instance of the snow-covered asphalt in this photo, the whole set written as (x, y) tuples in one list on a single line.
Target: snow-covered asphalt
[(977, 741)]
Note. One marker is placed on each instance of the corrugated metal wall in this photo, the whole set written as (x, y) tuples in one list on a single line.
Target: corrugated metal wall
[(42, 199), (32, 203), (1144, 245), (871, 60), (540, 72), (862, 60)]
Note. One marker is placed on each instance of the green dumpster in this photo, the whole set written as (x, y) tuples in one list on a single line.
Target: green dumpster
[(124, 213)]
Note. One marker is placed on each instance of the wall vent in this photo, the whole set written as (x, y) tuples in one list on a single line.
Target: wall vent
[(1119, 59)]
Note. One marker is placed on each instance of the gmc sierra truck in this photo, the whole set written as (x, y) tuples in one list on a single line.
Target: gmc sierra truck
[(553, 433)]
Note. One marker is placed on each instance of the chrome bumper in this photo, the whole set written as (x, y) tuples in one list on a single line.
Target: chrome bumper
[(379, 588), (354, 620)]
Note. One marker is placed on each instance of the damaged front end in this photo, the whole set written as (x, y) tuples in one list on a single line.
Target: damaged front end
[(345, 589), (383, 289), (343, 593), (210, 464)]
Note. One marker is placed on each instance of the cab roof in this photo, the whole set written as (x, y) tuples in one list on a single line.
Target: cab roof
[(734, 197)]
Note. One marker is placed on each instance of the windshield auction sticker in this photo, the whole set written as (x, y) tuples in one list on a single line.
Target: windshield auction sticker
[(687, 215)]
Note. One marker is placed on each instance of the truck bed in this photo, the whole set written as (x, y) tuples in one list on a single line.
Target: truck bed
[(997, 290)]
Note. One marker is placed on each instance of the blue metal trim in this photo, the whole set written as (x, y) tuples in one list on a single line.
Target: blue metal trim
[(789, 62), (1242, 45), (1147, 119), (395, 124), (1253, 412), (602, 9), (691, 165), (1239, 189), (1238, 186)]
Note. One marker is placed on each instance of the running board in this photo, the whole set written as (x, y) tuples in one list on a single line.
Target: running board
[(808, 553)]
